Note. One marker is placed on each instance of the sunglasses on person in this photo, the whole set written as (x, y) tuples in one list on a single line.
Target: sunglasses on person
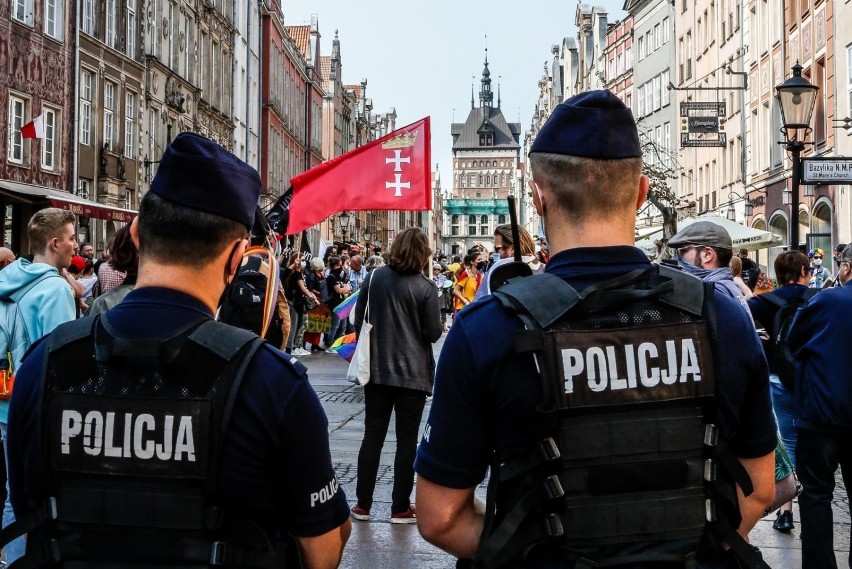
[(682, 250)]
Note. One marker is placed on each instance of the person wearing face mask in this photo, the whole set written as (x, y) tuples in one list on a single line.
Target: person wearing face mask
[(298, 297), (704, 249), (563, 388), (242, 449), (820, 276), (469, 281)]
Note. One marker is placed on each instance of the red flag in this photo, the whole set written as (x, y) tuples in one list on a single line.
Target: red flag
[(391, 173), (34, 128)]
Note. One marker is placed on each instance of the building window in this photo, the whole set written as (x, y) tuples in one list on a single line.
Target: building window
[(129, 122), (109, 114), (83, 188), (188, 45), (666, 31), (664, 82), (86, 108), (454, 225), (89, 17), (22, 11), (641, 48), (501, 219), (17, 111), (849, 77), (657, 95), (471, 225), (110, 23), (640, 102), (49, 142), (53, 18), (667, 141), (130, 38)]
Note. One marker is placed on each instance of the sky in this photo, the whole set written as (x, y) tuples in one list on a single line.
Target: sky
[(419, 57)]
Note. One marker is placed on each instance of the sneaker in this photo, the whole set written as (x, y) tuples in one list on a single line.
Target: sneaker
[(783, 522), (361, 514), (330, 351), (407, 517), (300, 352)]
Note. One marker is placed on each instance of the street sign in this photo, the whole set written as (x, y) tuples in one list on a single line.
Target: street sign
[(700, 124), (835, 170)]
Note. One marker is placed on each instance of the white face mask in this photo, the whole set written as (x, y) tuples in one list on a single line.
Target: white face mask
[(304, 264), (817, 262)]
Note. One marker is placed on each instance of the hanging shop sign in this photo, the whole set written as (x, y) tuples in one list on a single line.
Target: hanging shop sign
[(700, 124)]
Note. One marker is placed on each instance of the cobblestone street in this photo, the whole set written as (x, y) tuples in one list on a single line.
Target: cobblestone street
[(379, 544)]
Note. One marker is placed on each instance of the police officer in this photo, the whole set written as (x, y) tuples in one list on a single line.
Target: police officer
[(154, 436), (574, 410)]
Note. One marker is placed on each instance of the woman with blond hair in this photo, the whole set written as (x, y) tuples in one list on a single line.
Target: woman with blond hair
[(402, 305), (736, 265)]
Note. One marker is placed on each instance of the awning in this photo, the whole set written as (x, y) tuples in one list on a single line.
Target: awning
[(742, 237), (64, 200)]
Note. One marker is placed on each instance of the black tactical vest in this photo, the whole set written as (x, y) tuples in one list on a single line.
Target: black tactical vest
[(131, 445), (629, 468)]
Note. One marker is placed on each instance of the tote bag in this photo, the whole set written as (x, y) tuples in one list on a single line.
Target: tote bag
[(359, 367)]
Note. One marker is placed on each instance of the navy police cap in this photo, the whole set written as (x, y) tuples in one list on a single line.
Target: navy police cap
[(594, 124), (197, 173)]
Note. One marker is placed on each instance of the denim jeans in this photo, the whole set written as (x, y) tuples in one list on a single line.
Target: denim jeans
[(338, 326), (297, 322), (17, 547), (785, 414), (819, 455), (379, 402)]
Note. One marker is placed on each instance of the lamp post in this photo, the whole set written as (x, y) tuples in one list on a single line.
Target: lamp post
[(344, 218), (797, 97), (748, 206), (367, 236)]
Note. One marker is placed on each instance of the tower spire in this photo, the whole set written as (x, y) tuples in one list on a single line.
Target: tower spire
[(472, 79), (486, 96)]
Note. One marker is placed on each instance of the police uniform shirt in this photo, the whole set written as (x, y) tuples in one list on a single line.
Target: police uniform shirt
[(485, 396), (276, 451), (819, 338)]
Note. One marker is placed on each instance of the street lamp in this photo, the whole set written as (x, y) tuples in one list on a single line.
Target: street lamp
[(797, 98), (748, 206), (344, 218), (367, 236)]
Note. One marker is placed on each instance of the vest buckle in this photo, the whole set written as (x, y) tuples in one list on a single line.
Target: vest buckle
[(709, 470), (553, 526), (218, 553), (711, 435), (52, 510), (553, 487), (549, 449), (709, 511)]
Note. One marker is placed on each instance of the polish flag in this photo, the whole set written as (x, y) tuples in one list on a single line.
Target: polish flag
[(34, 128)]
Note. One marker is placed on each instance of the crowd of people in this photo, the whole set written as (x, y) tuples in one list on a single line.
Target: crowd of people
[(699, 373)]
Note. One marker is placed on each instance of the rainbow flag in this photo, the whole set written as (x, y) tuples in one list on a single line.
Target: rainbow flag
[(344, 308), (345, 346)]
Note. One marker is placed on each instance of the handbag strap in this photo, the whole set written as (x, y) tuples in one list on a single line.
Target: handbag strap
[(367, 310)]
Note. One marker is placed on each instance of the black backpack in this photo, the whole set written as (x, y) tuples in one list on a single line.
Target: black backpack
[(250, 300), (781, 360)]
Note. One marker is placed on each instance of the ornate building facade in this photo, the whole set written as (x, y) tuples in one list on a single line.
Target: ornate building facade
[(110, 103), (485, 171), (36, 79)]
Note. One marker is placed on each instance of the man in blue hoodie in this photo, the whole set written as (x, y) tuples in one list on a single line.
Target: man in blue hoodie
[(44, 300)]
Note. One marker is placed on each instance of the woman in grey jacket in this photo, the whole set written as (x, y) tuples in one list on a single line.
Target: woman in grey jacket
[(403, 308)]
